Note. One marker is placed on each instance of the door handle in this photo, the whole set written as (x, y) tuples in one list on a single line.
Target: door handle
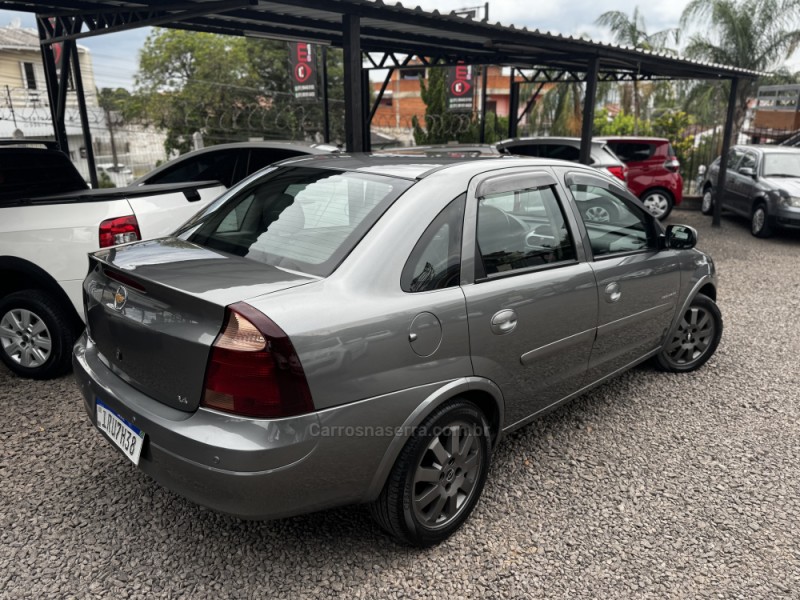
[(504, 322), (613, 293)]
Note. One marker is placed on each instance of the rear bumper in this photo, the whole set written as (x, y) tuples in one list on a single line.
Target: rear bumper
[(254, 469)]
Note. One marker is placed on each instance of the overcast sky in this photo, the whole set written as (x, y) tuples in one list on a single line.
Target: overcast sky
[(115, 55)]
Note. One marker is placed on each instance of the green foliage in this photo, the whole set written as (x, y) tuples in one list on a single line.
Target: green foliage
[(751, 34), (441, 125), (104, 181), (228, 87), (621, 124), (674, 126)]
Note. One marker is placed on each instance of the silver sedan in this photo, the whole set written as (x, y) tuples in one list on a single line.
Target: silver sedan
[(365, 329)]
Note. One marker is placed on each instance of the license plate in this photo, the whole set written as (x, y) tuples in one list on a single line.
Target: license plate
[(127, 437)]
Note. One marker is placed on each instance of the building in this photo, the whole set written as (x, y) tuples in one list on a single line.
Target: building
[(25, 108), (402, 99)]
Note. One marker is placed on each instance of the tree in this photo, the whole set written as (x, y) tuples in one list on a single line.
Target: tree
[(750, 34), (632, 31), (441, 125), (229, 88)]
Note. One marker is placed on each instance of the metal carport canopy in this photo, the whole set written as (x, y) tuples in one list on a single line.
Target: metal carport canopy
[(390, 33)]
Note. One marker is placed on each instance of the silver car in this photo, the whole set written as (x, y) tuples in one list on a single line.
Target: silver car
[(365, 329)]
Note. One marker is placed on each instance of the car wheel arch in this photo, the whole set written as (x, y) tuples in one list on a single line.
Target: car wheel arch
[(484, 393), (17, 274)]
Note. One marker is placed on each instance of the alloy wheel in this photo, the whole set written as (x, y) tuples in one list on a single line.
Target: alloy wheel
[(447, 474), (657, 204), (25, 338), (693, 337), (759, 218), (706, 206), (597, 214)]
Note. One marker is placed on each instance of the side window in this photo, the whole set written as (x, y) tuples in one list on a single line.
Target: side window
[(614, 223), (632, 151), (435, 262), (733, 158), (748, 161), (521, 229)]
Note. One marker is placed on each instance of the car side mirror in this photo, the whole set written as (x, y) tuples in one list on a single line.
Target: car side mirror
[(681, 237), (748, 172)]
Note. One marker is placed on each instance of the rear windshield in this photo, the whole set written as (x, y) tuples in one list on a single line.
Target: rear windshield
[(299, 218), (27, 173)]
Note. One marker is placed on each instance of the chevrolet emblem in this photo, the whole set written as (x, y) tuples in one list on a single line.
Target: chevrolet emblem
[(120, 298)]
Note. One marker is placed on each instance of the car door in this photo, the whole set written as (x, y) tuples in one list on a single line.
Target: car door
[(637, 282), (745, 184), (531, 295), (732, 181)]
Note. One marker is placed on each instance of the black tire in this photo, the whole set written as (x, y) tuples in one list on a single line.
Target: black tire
[(396, 511), (692, 343), (662, 199), (760, 224), (707, 205), (59, 333)]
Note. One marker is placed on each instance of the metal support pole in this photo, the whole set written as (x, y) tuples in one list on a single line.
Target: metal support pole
[(67, 48), (353, 94), (377, 102), (726, 146), (365, 87), (588, 111), (51, 80), (326, 123), (483, 104), (87, 134), (513, 106)]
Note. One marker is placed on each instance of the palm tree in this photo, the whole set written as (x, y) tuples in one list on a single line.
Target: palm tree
[(751, 34), (632, 31)]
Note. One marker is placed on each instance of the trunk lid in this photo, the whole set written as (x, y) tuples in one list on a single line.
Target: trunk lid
[(155, 308)]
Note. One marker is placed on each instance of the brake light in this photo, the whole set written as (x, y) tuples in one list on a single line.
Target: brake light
[(119, 231), (254, 370), (672, 164), (619, 172)]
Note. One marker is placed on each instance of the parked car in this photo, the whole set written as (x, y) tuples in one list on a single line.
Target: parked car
[(457, 299), (49, 221), (762, 184), (567, 148), (118, 174), (653, 171), (229, 163), (444, 150)]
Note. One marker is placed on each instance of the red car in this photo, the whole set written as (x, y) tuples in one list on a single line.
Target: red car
[(653, 171)]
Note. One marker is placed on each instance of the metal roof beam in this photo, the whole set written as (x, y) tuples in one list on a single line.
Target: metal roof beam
[(110, 21)]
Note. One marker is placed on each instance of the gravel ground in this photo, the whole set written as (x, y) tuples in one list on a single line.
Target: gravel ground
[(652, 486)]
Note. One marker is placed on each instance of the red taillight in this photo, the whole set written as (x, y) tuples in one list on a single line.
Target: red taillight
[(672, 164), (254, 370), (119, 231), (619, 172)]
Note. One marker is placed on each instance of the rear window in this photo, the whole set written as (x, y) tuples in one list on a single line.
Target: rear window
[(208, 166), (633, 151), (28, 173), (298, 218)]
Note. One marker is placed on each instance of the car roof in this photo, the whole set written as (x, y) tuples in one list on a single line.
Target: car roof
[(630, 138), (419, 167), (768, 148), (405, 150), (568, 141)]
